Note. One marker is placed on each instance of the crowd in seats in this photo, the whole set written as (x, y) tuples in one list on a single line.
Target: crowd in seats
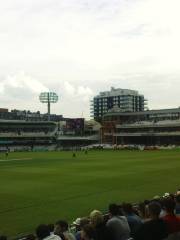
[(156, 219)]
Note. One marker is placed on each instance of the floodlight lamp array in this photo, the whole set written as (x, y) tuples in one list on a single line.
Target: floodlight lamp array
[(48, 97)]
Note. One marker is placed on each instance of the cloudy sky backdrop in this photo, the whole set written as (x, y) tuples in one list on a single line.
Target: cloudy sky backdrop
[(80, 47)]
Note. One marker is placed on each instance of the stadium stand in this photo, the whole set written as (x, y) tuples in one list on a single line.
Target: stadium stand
[(24, 135), (149, 128), (154, 219), (77, 133)]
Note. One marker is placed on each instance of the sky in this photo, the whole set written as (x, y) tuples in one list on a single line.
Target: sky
[(78, 48)]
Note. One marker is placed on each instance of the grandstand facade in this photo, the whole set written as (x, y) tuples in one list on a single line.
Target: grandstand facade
[(152, 127), (26, 130), (47, 135), (75, 133), (16, 134)]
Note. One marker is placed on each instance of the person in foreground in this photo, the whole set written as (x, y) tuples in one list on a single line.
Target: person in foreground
[(43, 233), (88, 232), (154, 228), (172, 221), (100, 228), (61, 227), (133, 219), (117, 225)]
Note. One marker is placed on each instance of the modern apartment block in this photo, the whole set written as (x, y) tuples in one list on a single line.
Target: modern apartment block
[(124, 99)]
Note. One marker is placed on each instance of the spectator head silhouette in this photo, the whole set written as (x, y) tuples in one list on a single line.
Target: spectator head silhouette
[(42, 231), (169, 205), (60, 227), (154, 209), (88, 232), (96, 217), (114, 209)]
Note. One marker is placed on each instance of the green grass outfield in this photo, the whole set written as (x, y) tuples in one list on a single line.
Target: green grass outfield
[(44, 187)]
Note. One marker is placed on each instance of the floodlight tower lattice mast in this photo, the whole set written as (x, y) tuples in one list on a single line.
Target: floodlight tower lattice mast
[(49, 110), (48, 97)]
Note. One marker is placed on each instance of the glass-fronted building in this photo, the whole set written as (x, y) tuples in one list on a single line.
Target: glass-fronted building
[(124, 99)]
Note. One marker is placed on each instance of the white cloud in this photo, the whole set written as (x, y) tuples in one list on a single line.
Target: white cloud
[(87, 46), (19, 91), (76, 92), (69, 88), (23, 81), (85, 93), (75, 99)]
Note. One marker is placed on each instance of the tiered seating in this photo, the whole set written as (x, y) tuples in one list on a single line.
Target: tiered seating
[(155, 219)]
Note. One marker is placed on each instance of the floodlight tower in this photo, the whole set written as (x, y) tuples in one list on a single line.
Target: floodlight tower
[(48, 97)]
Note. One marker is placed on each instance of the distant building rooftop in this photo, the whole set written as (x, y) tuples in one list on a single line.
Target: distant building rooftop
[(117, 92)]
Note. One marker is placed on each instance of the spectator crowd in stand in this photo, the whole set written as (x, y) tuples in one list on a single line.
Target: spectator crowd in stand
[(156, 219)]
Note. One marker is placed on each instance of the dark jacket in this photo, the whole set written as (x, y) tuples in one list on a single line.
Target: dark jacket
[(101, 232), (152, 230)]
